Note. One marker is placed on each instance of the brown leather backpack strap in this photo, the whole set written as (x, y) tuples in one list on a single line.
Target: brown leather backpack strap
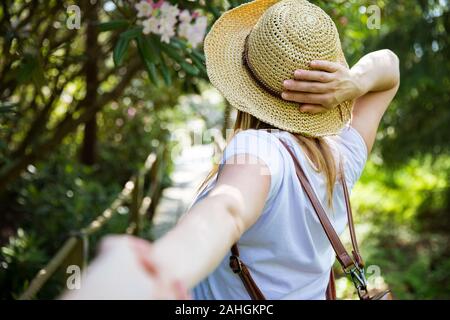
[(331, 289), (252, 288), (351, 225), (241, 269), (341, 253)]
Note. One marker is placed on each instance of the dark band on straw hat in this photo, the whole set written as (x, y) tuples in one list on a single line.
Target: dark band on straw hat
[(253, 73)]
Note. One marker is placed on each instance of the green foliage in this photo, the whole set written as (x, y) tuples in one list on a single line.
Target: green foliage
[(54, 199), (407, 211), (61, 195), (21, 256), (113, 25)]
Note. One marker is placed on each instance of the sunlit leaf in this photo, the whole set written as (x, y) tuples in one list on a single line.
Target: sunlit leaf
[(113, 25)]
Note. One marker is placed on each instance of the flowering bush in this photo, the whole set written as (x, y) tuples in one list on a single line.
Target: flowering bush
[(161, 18), (167, 37)]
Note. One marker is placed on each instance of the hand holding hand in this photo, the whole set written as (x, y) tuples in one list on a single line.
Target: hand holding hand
[(126, 269), (324, 87)]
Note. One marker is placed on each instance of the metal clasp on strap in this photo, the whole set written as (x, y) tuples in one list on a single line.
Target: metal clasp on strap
[(235, 264), (359, 280)]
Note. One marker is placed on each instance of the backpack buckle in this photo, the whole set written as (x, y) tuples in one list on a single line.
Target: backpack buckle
[(359, 279), (235, 264)]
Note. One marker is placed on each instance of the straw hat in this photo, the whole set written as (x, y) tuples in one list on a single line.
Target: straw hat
[(253, 48)]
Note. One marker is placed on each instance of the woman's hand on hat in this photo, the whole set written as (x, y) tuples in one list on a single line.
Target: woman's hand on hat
[(324, 87)]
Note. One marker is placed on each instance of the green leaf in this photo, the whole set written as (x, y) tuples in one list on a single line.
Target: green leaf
[(178, 43), (148, 58), (26, 68), (172, 53), (198, 55), (146, 49), (8, 107), (215, 11), (112, 25), (199, 64), (122, 44), (165, 73), (151, 71), (132, 33), (154, 46), (189, 68), (120, 50)]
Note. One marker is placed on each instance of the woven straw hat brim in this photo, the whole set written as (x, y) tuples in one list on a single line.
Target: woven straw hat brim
[(223, 47)]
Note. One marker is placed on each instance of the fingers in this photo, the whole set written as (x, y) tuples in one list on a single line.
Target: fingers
[(313, 89), (310, 102), (322, 71), (305, 86), (143, 250), (308, 98), (324, 65), (180, 291), (111, 242), (312, 75)]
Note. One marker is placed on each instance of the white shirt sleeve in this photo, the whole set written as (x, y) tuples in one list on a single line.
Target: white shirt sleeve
[(262, 145), (354, 151)]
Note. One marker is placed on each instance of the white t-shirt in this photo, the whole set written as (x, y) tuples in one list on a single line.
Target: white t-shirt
[(286, 250)]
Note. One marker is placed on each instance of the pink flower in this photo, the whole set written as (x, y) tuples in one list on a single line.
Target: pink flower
[(185, 16), (151, 25), (144, 9), (343, 20), (167, 29), (131, 112), (162, 18), (195, 14), (196, 33), (158, 4), (169, 11)]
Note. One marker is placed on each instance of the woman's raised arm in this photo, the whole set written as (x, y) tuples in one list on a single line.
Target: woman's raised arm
[(378, 75)]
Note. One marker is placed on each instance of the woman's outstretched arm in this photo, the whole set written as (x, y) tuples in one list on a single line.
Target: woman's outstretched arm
[(125, 269), (372, 82), (205, 235)]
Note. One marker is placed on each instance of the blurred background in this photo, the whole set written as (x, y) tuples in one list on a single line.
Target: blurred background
[(108, 125)]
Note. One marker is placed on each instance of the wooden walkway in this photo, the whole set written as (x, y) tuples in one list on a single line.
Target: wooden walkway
[(191, 167)]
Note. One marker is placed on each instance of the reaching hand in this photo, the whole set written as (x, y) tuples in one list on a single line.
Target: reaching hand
[(324, 87), (125, 269)]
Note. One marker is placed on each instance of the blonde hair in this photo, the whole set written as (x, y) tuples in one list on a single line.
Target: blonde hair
[(317, 149)]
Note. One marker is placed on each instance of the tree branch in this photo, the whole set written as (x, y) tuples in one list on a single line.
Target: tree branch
[(12, 171)]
